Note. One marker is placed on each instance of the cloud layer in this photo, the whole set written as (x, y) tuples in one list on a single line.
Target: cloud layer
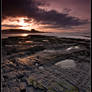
[(30, 9)]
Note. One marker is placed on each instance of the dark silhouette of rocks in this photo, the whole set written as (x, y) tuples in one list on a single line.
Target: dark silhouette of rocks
[(16, 31), (35, 31)]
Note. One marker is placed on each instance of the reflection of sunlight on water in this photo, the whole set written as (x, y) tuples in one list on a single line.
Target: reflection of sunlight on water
[(24, 35), (28, 41)]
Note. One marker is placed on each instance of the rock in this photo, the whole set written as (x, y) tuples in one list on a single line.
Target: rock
[(38, 57), (27, 73), (13, 83), (11, 75), (28, 81), (41, 67), (36, 63), (50, 91), (5, 89), (67, 63), (35, 84), (5, 77), (29, 89), (4, 84), (33, 67), (2, 78), (19, 76), (23, 90), (14, 89), (22, 85)]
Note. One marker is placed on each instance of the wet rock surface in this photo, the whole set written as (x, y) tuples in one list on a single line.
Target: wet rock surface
[(36, 64)]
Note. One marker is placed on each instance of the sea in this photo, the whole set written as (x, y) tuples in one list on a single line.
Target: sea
[(76, 35)]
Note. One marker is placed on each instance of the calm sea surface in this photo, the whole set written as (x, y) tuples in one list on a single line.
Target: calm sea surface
[(65, 35)]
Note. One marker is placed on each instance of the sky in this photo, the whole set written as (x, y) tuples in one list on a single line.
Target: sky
[(46, 15)]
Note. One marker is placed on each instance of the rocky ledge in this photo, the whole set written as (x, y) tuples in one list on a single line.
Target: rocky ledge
[(45, 64)]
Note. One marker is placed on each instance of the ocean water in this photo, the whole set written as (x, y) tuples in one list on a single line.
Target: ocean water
[(58, 34)]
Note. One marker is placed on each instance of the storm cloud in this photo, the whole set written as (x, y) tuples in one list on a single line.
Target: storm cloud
[(30, 9)]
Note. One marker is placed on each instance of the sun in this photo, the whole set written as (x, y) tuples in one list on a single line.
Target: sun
[(24, 25), (21, 22)]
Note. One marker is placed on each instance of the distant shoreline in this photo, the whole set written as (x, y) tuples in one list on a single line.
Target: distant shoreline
[(18, 31)]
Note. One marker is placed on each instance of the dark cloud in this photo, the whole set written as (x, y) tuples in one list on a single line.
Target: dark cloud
[(29, 8), (17, 7), (55, 19), (66, 10)]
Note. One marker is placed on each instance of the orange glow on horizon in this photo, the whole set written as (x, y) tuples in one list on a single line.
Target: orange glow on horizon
[(18, 23)]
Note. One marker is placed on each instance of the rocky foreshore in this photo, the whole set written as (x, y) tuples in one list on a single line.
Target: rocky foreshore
[(39, 63)]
